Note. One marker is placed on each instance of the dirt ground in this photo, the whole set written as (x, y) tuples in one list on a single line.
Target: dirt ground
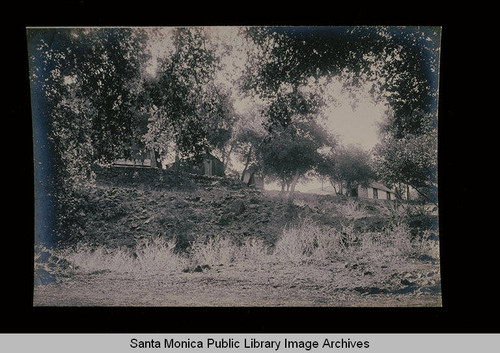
[(268, 285)]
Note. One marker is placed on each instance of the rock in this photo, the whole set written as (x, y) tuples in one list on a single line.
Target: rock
[(370, 290), (238, 207), (225, 219), (255, 200), (44, 277), (44, 256), (425, 258), (405, 282), (181, 204), (193, 198), (201, 268)]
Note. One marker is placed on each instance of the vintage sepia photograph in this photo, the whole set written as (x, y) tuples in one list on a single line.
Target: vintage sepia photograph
[(235, 166)]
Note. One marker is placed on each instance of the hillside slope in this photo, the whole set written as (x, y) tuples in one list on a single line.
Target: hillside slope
[(128, 204)]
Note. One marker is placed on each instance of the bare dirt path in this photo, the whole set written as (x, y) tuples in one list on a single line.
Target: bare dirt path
[(269, 285)]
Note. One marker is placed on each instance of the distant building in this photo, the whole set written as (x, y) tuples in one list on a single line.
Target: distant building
[(253, 178), (138, 158), (210, 166), (376, 191)]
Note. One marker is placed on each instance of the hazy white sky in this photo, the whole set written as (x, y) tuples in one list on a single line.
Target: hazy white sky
[(354, 123)]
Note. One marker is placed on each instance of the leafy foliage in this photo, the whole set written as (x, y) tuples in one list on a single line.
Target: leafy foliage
[(288, 153), (411, 160), (293, 137), (87, 81), (400, 63), (187, 106), (348, 166)]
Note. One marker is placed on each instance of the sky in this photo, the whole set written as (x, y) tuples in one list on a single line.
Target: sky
[(355, 118)]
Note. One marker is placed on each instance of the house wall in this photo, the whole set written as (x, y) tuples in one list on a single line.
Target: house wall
[(383, 195), (368, 193), (210, 166), (218, 167), (259, 183), (362, 192), (253, 179), (207, 163), (143, 160)]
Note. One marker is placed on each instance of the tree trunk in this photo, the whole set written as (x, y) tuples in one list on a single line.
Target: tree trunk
[(399, 191), (334, 187), (177, 162), (291, 194), (282, 192), (249, 155), (226, 157), (348, 188), (425, 197), (154, 159)]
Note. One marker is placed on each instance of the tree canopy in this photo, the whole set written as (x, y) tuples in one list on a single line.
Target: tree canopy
[(96, 97), (348, 167), (87, 82), (186, 104)]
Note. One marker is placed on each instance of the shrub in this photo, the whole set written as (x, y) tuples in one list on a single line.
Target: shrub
[(212, 251), (416, 217), (224, 250), (254, 250), (351, 209), (309, 240), (397, 242), (156, 254), (151, 255)]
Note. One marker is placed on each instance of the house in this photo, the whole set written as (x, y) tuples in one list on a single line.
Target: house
[(138, 158), (376, 190), (253, 178), (210, 166)]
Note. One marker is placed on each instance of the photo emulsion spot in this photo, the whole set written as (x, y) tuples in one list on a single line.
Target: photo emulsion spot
[(235, 166)]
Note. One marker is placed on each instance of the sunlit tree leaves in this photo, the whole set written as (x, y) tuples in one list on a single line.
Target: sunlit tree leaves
[(187, 106)]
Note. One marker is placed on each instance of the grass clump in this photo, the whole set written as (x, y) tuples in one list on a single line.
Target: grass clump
[(225, 250), (308, 240), (312, 241), (152, 255)]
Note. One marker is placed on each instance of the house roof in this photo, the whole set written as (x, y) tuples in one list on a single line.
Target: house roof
[(377, 185)]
